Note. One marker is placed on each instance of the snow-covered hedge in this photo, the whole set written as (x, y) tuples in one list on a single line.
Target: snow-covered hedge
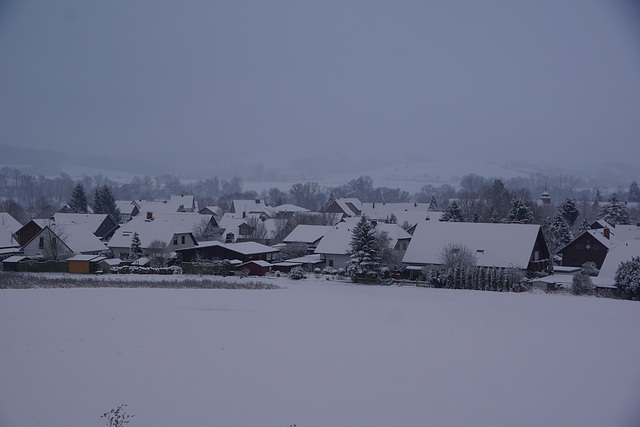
[(133, 269)]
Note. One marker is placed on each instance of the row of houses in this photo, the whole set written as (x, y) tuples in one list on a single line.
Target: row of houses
[(418, 244)]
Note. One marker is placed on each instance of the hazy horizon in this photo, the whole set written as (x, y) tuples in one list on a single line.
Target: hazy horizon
[(345, 84)]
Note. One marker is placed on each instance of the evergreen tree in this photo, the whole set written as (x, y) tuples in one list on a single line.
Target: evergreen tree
[(520, 212), (365, 252), (614, 212), (628, 278), (104, 202), (433, 204), (135, 251), (569, 211), (559, 233), (453, 213), (584, 226), (78, 202), (634, 192)]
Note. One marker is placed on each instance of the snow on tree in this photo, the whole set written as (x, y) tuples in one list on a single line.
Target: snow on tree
[(104, 202), (433, 204), (634, 192), (365, 253), (135, 251), (456, 255), (520, 212), (453, 213), (558, 233), (570, 212), (628, 278), (582, 284), (78, 201), (584, 226), (614, 212)]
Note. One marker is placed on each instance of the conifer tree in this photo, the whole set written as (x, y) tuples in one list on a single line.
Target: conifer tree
[(614, 212), (559, 233), (365, 252), (104, 202), (520, 212), (570, 212), (78, 201), (634, 192), (135, 251), (453, 213), (433, 204)]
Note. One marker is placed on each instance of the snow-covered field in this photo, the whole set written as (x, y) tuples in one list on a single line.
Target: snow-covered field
[(318, 353)]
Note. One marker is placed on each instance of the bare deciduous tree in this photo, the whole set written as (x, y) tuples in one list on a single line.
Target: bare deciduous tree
[(457, 255)]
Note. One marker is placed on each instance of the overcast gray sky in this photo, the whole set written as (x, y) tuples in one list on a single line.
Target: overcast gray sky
[(286, 80)]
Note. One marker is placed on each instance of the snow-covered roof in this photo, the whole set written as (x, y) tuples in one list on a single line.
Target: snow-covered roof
[(91, 258), (382, 211), (162, 227), (307, 233), (173, 205), (80, 239), (256, 206), (623, 252), (307, 259), (626, 232), (337, 240), (77, 237), (290, 208), (494, 245), (350, 206), (231, 223), (258, 262), (245, 248), (215, 210), (125, 206), (91, 221), (9, 223), (15, 258)]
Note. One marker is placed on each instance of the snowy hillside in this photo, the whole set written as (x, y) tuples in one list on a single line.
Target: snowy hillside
[(317, 353)]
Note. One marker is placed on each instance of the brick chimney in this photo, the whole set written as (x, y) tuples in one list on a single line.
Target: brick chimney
[(607, 233), (149, 215)]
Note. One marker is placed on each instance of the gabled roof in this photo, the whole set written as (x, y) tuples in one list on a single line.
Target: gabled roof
[(257, 262), (244, 248), (162, 227), (350, 206), (256, 206), (126, 206), (623, 252), (76, 237), (381, 211), (90, 258), (307, 233), (495, 245), (598, 234), (290, 208), (8, 226), (91, 221), (337, 240), (173, 205)]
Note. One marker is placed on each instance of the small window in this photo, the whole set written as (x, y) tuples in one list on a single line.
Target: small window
[(330, 263), (579, 246), (175, 241), (41, 243), (183, 239), (597, 247)]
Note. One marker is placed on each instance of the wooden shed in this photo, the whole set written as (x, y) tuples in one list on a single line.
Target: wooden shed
[(84, 264), (256, 268)]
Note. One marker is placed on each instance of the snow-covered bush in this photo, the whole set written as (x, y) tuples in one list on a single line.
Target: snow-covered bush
[(329, 270), (133, 269), (590, 268), (582, 284), (297, 273), (341, 272)]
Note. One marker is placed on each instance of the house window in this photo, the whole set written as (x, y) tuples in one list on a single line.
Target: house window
[(579, 246), (41, 243), (175, 241), (597, 247), (183, 240), (330, 263)]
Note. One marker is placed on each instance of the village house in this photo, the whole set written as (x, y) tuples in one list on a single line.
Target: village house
[(309, 235), (244, 251), (128, 209), (520, 246), (590, 246), (244, 208), (60, 241), (173, 229), (335, 244), (8, 227)]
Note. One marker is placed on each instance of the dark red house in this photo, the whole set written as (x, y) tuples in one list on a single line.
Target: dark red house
[(590, 246)]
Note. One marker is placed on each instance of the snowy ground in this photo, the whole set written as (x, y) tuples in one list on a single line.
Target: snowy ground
[(317, 354)]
